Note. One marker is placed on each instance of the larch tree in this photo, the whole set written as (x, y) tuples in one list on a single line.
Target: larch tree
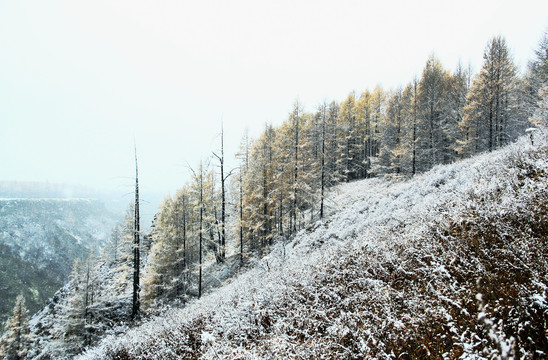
[(537, 82), (364, 116), (540, 117), (392, 151), (310, 164), (76, 321), (432, 95), (457, 91), (283, 179), (378, 105), (197, 191), (408, 145), (260, 182), (348, 154), (243, 156), (294, 122), (14, 344), (181, 219), (163, 276), (322, 115), (119, 256), (414, 123), (492, 116)]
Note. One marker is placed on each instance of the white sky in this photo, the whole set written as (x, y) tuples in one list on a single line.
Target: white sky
[(80, 79)]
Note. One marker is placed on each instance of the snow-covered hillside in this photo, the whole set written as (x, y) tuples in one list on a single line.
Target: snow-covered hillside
[(39, 240), (451, 264)]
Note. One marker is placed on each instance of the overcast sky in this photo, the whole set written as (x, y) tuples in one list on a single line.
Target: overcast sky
[(79, 80)]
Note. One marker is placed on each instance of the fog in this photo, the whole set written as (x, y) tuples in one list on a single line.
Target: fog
[(83, 83)]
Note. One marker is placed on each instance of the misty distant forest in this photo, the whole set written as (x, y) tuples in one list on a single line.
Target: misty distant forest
[(227, 221)]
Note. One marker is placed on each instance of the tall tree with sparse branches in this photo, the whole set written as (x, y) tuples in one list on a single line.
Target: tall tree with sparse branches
[(135, 308)]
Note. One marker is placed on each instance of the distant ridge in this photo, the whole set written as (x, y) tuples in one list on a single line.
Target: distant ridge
[(39, 240), (37, 189)]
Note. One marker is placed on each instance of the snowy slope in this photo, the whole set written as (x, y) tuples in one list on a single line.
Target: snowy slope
[(39, 240), (451, 264)]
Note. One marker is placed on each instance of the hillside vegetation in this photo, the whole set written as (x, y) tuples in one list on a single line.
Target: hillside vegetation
[(451, 264), (420, 254), (39, 241)]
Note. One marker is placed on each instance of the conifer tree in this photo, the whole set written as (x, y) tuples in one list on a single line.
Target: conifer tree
[(540, 117), (198, 202), (181, 226), (243, 156), (332, 142), (398, 151), (378, 104), (348, 154), (364, 117), (78, 325), (284, 179), (458, 89), (537, 83), (413, 120), (294, 121), (310, 164), (14, 344), (492, 116), (161, 278), (432, 95), (324, 174), (260, 183), (121, 257)]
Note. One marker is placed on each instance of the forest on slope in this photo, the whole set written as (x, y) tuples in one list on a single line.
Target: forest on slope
[(451, 264), (39, 241), (281, 183), (281, 188)]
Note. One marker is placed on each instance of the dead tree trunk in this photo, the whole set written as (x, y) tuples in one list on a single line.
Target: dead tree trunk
[(136, 247)]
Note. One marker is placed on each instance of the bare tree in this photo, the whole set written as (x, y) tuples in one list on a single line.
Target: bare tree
[(136, 246), (221, 158)]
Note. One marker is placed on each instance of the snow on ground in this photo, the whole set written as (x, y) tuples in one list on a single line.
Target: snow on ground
[(394, 271)]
